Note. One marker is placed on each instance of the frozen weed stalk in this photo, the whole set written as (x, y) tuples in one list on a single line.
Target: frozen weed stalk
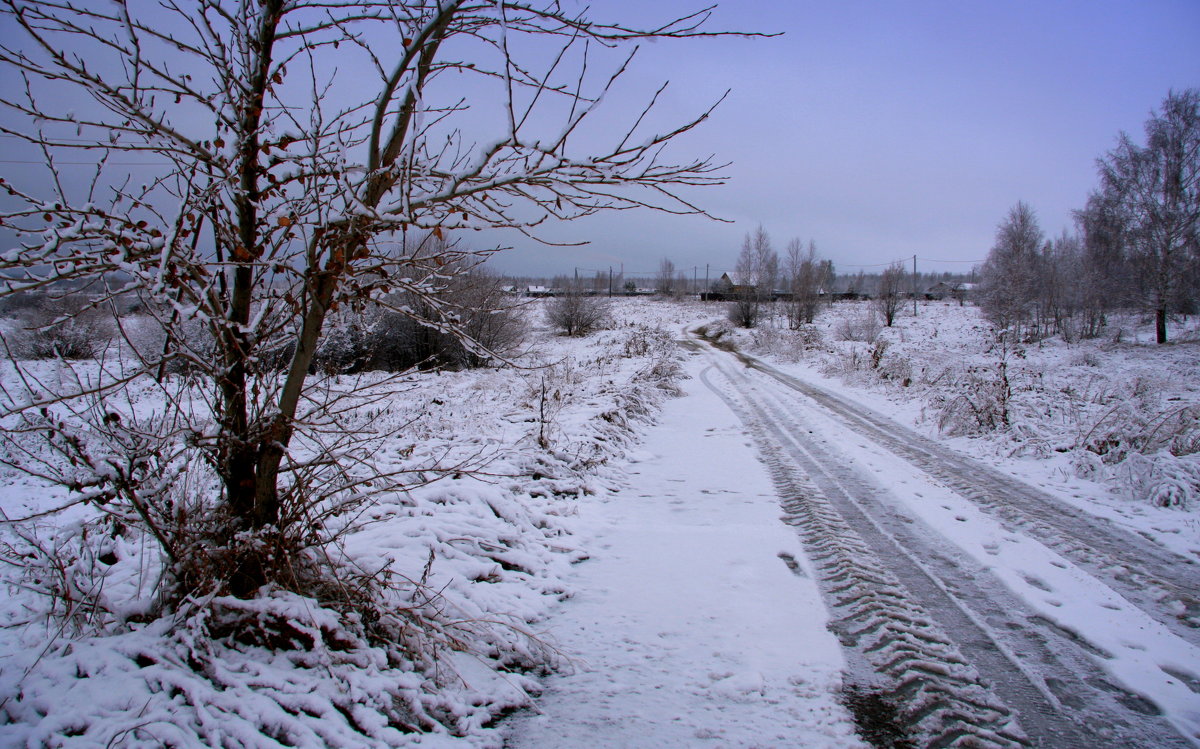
[(265, 207)]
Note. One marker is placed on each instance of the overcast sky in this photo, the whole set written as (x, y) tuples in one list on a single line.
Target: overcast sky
[(887, 129), (878, 128)]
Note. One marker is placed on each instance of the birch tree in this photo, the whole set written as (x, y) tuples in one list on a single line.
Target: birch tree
[(887, 301), (257, 165), (1009, 277), (757, 270), (806, 277), (1154, 193), (664, 282)]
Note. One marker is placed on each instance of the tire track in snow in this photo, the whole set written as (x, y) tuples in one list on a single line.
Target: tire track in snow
[(1053, 661), (1159, 582), (878, 620), (1064, 700)]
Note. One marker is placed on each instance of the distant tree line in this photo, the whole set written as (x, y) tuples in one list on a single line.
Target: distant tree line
[(1136, 248), (398, 332)]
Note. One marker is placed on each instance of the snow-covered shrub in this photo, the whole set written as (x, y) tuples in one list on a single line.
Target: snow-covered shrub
[(808, 337), (744, 311), (768, 339), (979, 403), (473, 324), (59, 328), (982, 407), (895, 368), (576, 313), (315, 679), (978, 398), (644, 340), (864, 327), (70, 570), (784, 343), (1085, 358), (1164, 480), (663, 371)]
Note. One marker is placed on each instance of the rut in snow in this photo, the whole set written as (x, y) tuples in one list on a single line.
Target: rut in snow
[(1161, 583), (908, 635)]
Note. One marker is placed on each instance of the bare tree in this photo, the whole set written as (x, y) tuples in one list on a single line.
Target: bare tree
[(683, 286), (1061, 279), (575, 312), (265, 203), (1103, 274), (888, 300), (665, 281), (806, 278), (1153, 193), (1009, 277), (757, 270), (766, 264)]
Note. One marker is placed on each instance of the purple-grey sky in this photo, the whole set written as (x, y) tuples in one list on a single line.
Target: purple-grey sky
[(887, 129), (878, 128)]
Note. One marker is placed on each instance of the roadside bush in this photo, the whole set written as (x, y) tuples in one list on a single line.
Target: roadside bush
[(1164, 480), (575, 314), (644, 340), (744, 311), (64, 327), (981, 405), (474, 323), (787, 344), (865, 328)]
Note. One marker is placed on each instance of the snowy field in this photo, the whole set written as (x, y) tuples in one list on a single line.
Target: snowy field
[(610, 546), (1111, 425), (504, 459)]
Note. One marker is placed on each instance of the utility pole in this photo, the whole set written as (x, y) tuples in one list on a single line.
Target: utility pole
[(914, 285), (610, 280), (706, 284)]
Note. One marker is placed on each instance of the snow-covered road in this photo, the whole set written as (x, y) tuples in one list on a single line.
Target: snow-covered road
[(690, 627), (988, 610), (981, 603)]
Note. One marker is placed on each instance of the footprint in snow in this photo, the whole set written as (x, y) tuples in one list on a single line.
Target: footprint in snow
[(1037, 582), (740, 687)]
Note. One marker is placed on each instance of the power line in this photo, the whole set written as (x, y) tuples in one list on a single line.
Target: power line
[(54, 138), (870, 265), (900, 260), (57, 162)]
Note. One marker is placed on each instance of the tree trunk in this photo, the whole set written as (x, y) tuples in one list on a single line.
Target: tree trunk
[(1160, 324)]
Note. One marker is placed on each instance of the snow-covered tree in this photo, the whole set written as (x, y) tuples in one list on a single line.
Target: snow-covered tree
[(887, 301), (664, 282), (805, 277), (1009, 277), (1152, 193), (757, 270), (258, 166)]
